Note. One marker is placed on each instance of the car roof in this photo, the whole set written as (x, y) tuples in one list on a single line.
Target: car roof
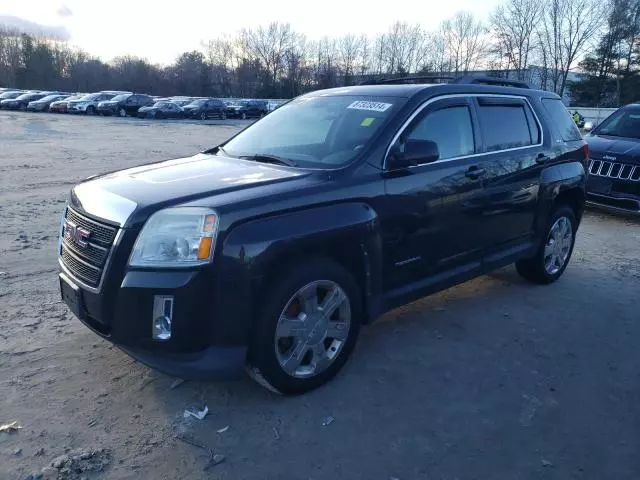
[(410, 90)]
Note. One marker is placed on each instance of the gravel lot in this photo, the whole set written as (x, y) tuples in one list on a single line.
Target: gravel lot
[(494, 379)]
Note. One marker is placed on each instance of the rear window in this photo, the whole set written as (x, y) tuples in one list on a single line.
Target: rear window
[(561, 118), (505, 126)]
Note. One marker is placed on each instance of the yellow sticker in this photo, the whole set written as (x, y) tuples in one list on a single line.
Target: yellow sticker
[(367, 122)]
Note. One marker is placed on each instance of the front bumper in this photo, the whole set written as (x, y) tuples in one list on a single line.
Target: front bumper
[(613, 194), (77, 109), (209, 337)]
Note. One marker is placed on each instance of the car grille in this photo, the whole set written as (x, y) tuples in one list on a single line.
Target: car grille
[(87, 263), (622, 171)]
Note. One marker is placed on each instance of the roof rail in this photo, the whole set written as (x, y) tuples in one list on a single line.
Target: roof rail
[(497, 81), (420, 79)]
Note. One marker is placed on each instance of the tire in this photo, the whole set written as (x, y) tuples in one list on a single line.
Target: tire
[(320, 355), (23, 107), (91, 110), (122, 112), (203, 116), (159, 115), (223, 116), (541, 268), (243, 116)]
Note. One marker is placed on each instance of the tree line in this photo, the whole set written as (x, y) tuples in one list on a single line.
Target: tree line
[(539, 41)]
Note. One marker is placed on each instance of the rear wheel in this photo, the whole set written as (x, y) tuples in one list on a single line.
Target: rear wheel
[(308, 327), (223, 116), (91, 110), (243, 116), (23, 107), (554, 253), (203, 116), (122, 112)]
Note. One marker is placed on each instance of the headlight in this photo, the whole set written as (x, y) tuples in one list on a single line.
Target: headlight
[(176, 237)]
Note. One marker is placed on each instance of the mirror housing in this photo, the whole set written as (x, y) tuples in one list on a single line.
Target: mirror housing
[(588, 126), (415, 153)]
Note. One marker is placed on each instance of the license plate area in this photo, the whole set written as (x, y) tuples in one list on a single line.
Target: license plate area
[(72, 296)]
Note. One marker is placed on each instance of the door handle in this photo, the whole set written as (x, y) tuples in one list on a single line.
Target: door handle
[(541, 158), (475, 172)]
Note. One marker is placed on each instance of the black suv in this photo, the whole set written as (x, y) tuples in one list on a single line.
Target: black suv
[(204, 108), (125, 104), (271, 250), (247, 109), (614, 180)]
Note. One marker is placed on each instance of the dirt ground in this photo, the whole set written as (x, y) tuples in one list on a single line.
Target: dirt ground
[(494, 379)]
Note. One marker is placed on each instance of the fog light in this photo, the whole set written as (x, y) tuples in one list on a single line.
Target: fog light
[(162, 316)]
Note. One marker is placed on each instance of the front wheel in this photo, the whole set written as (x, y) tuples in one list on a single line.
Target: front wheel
[(243, 116), (91, 110), (554, 253), (307, 329), (223, 116), (203, 116), (122, 112)]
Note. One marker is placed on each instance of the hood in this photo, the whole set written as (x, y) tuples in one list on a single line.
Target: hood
[(614, 148), (148, 188)]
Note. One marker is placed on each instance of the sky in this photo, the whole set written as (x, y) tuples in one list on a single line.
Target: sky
[(161, 30)]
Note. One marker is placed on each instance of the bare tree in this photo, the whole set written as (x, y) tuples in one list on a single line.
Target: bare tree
[(349, 49), (567, 28), (364, 57), (269, 46), (466, 42), (514, 27)]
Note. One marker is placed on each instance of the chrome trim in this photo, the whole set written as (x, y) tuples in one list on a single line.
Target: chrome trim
[(463, 95), (105, 269), (92, 199), (598, 172), (407, 261)]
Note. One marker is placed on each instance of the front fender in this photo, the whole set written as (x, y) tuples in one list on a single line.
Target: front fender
[(253, 248)]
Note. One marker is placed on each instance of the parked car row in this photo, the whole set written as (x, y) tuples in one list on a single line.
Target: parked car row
[(122, 104)]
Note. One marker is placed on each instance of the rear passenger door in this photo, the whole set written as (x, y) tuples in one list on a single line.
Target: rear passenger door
[(511, 143)]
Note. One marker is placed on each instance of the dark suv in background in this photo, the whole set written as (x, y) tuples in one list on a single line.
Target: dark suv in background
[(614, 180), (204, 108), (125, 104), (271, 250), (247, 109)]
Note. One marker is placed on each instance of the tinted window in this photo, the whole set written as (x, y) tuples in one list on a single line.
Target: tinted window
[(562, 119), (505, 126), (450, 128)]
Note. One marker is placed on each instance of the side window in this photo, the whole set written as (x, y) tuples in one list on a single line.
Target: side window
[(505, 125), (562, 119), (450, 128)]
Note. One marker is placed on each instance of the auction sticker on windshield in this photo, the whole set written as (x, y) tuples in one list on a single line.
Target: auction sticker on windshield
[(371, 106)]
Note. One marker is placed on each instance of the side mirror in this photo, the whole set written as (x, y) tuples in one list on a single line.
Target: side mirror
[(415, 152), (588, 127)]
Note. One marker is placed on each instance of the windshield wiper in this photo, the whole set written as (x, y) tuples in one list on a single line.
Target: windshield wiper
[(268, 158)]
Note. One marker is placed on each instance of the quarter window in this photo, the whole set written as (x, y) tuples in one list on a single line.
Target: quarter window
[(450, 128), (506, 126), (562, 119)]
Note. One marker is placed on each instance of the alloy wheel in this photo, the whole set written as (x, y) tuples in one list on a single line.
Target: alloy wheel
[(312, 329), (558, 246)]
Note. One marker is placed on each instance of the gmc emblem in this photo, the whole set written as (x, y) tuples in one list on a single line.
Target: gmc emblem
[(75, 234)]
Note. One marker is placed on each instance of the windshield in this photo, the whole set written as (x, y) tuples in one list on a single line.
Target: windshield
[(7, 95), (120, 98), (197, 103), (49, 98), (160, 104), (316, 132), (623, 123), (92, 96), (28, 96)]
